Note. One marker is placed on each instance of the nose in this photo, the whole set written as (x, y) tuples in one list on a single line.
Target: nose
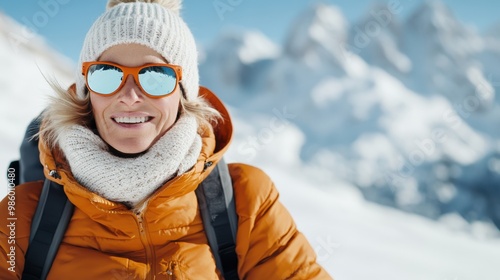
[(130, 93)]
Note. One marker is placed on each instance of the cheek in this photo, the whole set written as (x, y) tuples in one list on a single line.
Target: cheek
[(169, 106), (98, 104)]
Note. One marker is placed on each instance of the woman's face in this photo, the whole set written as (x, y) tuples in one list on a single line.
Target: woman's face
[(111, 112)]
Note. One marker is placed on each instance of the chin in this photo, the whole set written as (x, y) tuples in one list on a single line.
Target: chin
[(128, 150)]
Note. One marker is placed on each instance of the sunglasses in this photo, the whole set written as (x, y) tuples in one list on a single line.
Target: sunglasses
[(156, 80)]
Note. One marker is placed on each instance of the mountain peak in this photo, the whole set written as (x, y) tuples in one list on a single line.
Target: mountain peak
[(433, 15), (248, 46), (376, 39), (318, 36), (435, 6)]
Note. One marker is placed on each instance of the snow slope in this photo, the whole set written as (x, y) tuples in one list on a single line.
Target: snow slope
[(354, 239), (25, 60)]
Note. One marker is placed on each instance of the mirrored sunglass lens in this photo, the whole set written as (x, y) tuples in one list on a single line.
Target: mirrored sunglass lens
[(104, 79), (158, 80)]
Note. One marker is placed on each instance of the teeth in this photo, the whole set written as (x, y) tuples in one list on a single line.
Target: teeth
[(131, 119)]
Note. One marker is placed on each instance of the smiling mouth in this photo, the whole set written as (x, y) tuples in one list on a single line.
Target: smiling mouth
[(132, 120)]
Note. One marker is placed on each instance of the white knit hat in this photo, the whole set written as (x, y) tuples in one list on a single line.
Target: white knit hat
[(153, 23)]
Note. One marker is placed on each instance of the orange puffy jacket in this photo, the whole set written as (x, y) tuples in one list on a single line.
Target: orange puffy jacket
[(105, 240)]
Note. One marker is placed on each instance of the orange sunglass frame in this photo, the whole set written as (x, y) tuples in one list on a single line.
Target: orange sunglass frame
[(134, 71)]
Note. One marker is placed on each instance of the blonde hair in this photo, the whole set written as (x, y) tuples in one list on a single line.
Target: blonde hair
[(66, 109), (200, 108)]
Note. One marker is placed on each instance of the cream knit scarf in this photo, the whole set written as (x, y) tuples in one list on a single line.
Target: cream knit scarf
[(130, 180)]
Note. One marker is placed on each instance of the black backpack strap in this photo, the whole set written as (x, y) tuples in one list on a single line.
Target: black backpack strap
[(30, 167), (48, 226), (218, 211)]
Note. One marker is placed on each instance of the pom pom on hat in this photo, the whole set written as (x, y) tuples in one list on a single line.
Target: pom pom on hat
[(152, 23), (172, 5)]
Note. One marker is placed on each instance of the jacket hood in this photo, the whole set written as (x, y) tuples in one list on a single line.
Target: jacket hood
[(215, 142)]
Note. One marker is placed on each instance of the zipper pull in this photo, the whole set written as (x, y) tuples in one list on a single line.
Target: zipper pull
[(170, 270), (207, 165), (141, 222), (53, 173)]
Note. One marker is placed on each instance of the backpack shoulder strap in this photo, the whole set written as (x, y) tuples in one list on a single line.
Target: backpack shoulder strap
[(220, 221), (29, 163), (52, 216)]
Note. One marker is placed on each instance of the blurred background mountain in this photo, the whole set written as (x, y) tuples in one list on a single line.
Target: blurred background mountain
[(405, 110)]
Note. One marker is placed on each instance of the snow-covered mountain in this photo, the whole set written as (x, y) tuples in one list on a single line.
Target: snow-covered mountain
[(408, 116), (346, 231), (241, 58), (376, 38), (446, 53), (316, 37)]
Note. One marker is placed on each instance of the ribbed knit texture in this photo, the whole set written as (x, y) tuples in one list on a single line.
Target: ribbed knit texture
[(131, 180), (148, 24)]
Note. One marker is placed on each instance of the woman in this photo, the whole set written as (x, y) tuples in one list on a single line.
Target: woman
[(129, 143)]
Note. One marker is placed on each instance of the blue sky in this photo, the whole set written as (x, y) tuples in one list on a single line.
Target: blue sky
[(64, 23)]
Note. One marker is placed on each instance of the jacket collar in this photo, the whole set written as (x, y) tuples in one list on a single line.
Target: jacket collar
[(215, 142)]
